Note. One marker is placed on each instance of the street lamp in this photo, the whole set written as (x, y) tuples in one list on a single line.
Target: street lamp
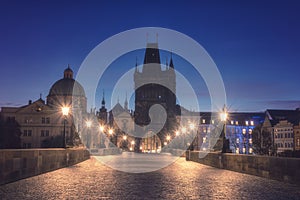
[(101, 128), (110, 132), (65, 111), (124, 137), (88, 125), (223, 118)]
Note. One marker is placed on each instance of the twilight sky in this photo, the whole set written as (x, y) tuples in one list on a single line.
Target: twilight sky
[(255, 44)]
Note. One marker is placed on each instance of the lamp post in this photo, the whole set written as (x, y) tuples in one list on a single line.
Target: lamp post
[(110, 132), (88, 138), (183, 131), (223, 118), (101, 128), (65, 111)]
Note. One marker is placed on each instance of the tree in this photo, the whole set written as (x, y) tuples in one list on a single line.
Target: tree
[(10, 134), (262, 140), (53, 142)]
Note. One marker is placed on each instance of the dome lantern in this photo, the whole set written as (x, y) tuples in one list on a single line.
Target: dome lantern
[(68, 73)]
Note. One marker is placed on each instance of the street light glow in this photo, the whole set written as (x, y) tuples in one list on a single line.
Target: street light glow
[(110, 131), (132, 142), (88, 123), (101, 128), (124, 137), (183, 129), (192, 126), (177, 133), (168, 137), (65, 110), (223, 116)]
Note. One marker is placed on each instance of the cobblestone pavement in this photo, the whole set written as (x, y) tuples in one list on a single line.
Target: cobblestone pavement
[(180, 180)]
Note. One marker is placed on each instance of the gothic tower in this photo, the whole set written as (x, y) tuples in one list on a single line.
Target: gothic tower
[(153, 85)]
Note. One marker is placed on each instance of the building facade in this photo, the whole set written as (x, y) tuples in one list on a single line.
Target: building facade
[(42, 123)]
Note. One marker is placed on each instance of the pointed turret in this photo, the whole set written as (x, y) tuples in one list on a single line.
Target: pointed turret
[(103, 101), (126, 103), (171, 62)]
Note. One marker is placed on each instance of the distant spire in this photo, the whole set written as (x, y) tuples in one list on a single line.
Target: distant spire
[(171, 61), (126, 103), (40, 95), (103, 101), (68, 66), (136, 64)]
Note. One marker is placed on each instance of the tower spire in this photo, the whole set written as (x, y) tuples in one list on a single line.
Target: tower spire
[(171, 61), (136, 64), (103, 101)]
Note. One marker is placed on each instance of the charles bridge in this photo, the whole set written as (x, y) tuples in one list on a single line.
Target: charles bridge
[(79, 176)]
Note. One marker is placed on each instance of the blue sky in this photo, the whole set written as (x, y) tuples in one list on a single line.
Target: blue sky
[(255, 44)]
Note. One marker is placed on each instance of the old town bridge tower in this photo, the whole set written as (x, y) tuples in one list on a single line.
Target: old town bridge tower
[(154, 85)]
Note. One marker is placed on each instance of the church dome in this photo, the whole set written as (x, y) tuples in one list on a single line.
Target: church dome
[(67, 86)]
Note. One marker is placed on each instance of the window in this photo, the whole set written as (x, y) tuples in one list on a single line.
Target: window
[(236, 123), (250, 131), (250, 150), (250, 140), (252, 123), (47, 133), (27, 133), (289, 135), (42, 133), (237, 140), (285, 145), (285, 135), (232, 122), (237, 150), (244, 131), (247, 123), (212, 121), (203, 121), (298, 142), (43, 120), (48, 120), (208, 130)]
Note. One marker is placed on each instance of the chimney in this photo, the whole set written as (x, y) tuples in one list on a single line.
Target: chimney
[(29, 102)]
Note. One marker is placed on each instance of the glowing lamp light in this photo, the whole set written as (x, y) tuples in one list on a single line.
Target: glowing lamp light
[(183, 129), (168, 138), (88, 124), (223, 116), (65, 110), (165, 143), (125, 137), (101, 128), (110, 131), (177, 133), (132, 142)]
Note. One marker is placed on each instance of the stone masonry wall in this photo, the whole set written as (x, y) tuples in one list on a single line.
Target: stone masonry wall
[(17, 164), (278, 168)]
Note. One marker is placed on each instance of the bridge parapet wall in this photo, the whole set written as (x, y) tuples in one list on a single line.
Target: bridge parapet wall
[(17, 164), (277, 168)]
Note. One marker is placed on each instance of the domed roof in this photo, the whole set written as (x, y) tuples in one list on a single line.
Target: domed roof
[(67, 86)]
